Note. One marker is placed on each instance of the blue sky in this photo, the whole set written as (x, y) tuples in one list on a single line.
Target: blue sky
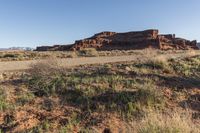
[(47, 22)]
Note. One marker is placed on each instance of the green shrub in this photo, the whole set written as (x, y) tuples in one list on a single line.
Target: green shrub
[(10, 56), (3, 105)]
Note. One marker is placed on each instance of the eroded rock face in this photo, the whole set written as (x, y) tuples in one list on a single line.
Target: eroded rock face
[(198, 45), (119, 41), (130, 40)]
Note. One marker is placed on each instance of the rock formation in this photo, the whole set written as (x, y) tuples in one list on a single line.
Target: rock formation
[(54, 48), (198, 45), (126, 41)]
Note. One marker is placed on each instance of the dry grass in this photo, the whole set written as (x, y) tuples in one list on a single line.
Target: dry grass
[(150, 52), (191, 53), (45, 68), (72, 55), (87, 97), (173, 123), (89, 52)]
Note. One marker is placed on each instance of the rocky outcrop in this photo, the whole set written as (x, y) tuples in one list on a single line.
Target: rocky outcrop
[(119, 41), (54, 48), (198, 45), (130, 40)]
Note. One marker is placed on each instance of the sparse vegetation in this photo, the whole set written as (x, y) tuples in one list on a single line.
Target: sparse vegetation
[(43, 127), (25, 98), (88, 52), (10, 56), (4, 104), (188, 66), (97, 98)]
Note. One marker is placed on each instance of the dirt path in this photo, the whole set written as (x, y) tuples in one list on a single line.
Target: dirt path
[(24, 65)]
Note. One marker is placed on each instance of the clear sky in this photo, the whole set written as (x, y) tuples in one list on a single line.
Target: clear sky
[(47, 22)]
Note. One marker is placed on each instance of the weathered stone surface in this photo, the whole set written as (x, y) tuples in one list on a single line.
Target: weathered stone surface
[(130, 40), (198, 45), (119, 41)]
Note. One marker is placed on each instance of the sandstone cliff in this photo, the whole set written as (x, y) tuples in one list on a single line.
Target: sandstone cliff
[(129, 40)]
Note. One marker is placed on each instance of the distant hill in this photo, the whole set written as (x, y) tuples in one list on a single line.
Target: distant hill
[(2, 49), (17, 48)]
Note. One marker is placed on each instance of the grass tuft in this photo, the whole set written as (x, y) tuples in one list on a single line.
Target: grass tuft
[(158, 123)]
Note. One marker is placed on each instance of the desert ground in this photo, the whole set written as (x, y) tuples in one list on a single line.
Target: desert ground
[(10, 64), (133, 91)]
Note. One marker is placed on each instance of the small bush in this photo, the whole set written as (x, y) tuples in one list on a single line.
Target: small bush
[(88, 52), (45, 68), (47, 78), (10, 56), (72, 55)]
